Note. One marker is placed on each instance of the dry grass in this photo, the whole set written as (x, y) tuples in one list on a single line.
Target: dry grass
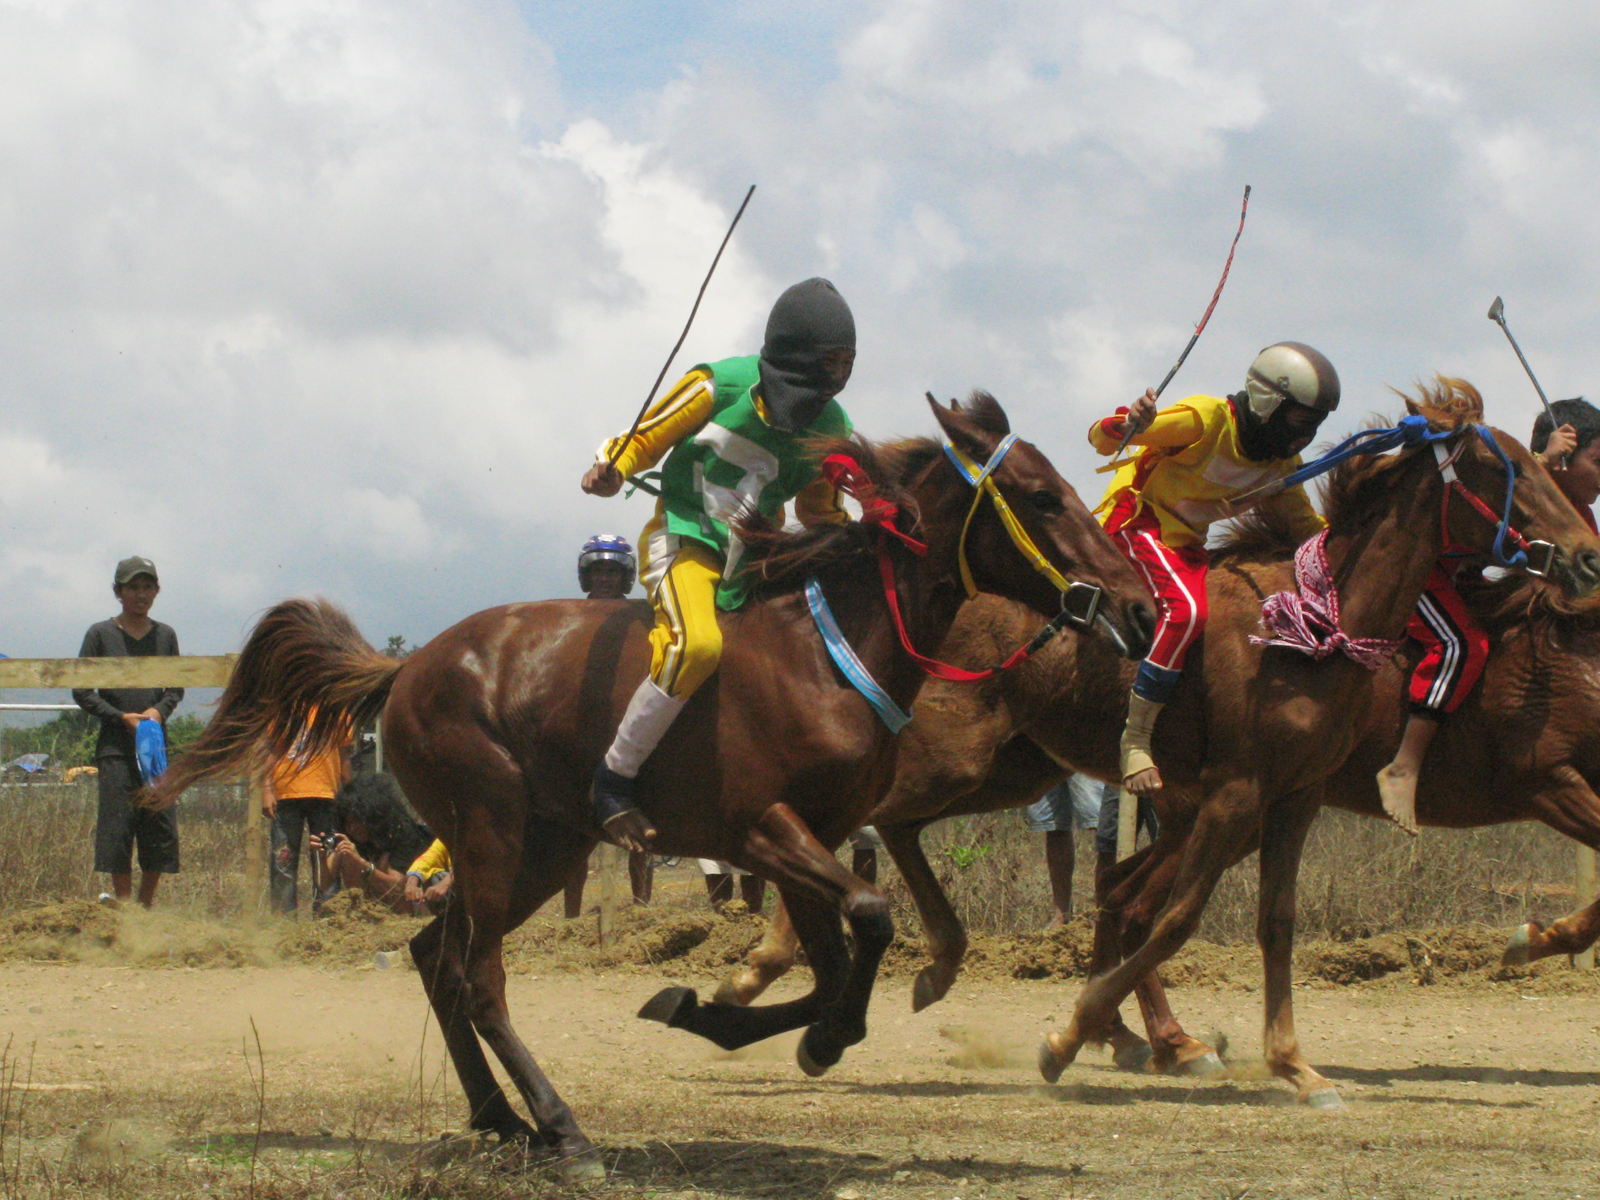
[(1359, 878)]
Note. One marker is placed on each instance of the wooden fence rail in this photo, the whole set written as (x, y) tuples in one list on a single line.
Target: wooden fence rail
[(183, 671)]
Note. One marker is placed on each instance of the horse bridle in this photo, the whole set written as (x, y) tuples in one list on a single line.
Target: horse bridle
[(1080, 602), (1536, 557)]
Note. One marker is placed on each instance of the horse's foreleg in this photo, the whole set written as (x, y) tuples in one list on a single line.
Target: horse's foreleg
[(438, 950), (1571, 807), (1144, 890), (1283, 837), (766, 963), (1211, 847), (815, 889), (946, 938)]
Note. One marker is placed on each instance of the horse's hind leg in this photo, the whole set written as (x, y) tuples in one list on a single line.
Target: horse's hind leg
[(502, 888), (1571, 808), (765, 964), (439, 952), (946, 937)]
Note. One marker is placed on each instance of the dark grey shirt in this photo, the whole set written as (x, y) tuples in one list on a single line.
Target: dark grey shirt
[(105, 639)]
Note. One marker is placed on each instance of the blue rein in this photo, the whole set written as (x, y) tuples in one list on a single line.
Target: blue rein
[(1413, 430)]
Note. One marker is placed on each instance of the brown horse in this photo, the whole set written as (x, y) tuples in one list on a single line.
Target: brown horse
[(494, 729), (1067, 704)]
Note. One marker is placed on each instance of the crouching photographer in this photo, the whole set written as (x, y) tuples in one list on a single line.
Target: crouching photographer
[(428, 881), (378, 840)]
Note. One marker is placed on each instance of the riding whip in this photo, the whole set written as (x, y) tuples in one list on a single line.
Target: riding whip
[(622, 444), (1497, 314), (1210, 308)]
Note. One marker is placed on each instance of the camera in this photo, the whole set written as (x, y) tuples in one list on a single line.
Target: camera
[(330, 842)]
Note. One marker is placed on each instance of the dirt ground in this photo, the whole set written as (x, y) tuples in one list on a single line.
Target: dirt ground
[(133, 1080)]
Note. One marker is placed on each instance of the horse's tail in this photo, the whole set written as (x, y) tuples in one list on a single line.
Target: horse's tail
[(305, 678)]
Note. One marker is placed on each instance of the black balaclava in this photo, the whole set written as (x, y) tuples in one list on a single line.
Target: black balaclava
[(801, 367), (1263, 441)]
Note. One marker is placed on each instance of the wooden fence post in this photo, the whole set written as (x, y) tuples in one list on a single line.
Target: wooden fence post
[(1583, 887), (255, 852)]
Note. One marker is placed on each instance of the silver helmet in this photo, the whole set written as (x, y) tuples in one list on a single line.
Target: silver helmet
[(1291, 371)]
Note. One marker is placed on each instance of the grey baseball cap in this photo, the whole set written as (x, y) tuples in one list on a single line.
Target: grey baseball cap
[(134, 565)]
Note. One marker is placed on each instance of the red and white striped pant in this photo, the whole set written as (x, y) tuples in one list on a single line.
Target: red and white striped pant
[(1455, 648), (1176, 577)]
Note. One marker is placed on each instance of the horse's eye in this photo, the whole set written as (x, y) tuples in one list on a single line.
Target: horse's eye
[(1047, 502)]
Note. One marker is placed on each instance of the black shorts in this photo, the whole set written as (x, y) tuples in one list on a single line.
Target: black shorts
[(119, 825)]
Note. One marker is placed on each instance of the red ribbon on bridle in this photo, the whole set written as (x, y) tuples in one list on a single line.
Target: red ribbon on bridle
[(846, 474)]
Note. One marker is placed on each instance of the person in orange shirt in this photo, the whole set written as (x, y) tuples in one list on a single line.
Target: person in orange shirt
[(297, 798)]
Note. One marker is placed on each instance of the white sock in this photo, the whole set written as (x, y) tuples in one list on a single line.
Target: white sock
[(650, 714)]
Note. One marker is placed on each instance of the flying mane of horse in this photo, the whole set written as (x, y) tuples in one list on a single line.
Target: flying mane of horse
[(495, 727), (1239, 701)]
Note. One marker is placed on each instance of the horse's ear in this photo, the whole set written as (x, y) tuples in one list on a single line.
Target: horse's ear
[(974, 428)]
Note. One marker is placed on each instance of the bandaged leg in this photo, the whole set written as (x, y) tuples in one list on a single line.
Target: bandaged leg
[(1152, 687)]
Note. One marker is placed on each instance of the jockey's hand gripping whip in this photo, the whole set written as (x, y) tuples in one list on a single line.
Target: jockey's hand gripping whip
[(1497, 314), (622, 443), (1133, 429)]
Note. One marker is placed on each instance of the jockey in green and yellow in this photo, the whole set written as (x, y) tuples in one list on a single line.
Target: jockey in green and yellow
[(733, 435)]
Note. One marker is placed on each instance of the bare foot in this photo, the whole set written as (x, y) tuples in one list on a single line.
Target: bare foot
[(631, 830), (1397, 784), (1144, 783)]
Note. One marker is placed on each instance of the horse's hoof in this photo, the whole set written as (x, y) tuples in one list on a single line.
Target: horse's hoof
[(1519, 950), (1133, 1056), (925, 991), (582, 1170), (728, 993), (1326, 1099), (671, 1006), (1206, 1066), (812, 1058), (1050, 1064)]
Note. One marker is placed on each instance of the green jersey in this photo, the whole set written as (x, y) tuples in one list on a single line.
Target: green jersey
[(737, 464)]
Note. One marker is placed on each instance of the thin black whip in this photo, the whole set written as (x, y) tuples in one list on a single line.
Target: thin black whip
[(622, 444)]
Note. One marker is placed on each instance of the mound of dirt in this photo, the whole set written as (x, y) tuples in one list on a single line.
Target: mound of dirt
[(350, 929), (1354, 961), (47, 932)]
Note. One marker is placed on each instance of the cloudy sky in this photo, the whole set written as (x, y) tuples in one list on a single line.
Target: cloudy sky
[(338, 296)]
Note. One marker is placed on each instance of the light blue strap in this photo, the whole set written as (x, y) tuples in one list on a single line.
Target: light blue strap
[(968, 468), (854, 670)]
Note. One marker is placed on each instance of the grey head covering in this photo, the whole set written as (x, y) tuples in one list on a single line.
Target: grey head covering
[(810, 344)]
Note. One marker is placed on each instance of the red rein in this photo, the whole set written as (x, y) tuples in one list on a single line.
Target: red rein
[(846, 474)]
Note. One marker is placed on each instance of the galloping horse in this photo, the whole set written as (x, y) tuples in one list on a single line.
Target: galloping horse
[(1066, 705), (494, 729)]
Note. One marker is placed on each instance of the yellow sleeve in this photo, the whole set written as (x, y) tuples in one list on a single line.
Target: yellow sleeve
[(818, 503), (432, 860), (675, 416), (1172, 429), (1293, 503)]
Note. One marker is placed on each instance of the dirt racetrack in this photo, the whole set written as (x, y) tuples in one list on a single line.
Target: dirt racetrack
[(141, 1084)]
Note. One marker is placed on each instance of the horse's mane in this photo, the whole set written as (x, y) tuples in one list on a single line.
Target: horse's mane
[(779, 560), (1349, 495)]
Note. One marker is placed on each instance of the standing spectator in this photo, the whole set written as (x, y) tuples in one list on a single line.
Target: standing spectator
[(719, 878), (119, 824), (1105, 837), (297, 797), (606, 570), (1077, 801)]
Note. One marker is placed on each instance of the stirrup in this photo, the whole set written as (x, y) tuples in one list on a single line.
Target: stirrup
[(611, 795)]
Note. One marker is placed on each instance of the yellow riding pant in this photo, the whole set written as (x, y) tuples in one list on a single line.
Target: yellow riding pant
[(686, 644)]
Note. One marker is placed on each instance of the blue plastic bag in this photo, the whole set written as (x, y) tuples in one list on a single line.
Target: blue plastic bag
[(150, 750)]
